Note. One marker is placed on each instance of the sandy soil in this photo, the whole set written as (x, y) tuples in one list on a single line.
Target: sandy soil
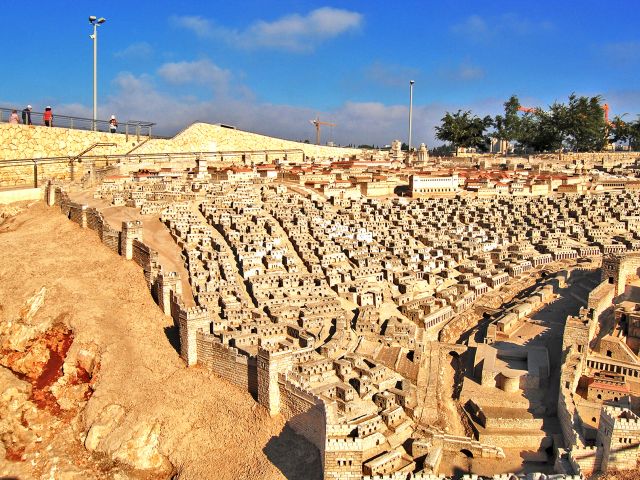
[(155, 234), (208, 427)]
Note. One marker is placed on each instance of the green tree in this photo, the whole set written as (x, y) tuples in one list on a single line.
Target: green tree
[(441, 151), (620, 131), (539, 130), (634, 134), (463, 129), (579, 125), (583, 124), (508, 127)]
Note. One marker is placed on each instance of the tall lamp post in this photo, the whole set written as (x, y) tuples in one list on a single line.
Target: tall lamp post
[(411, 82), (96, 22)]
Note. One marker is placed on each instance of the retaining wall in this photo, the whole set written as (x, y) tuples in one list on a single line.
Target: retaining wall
[(35, 141)]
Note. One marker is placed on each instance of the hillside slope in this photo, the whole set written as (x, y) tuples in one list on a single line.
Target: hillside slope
[(144, 405)]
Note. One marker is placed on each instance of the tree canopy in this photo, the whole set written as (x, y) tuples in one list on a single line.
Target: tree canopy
[(578, 125), (463, 129)]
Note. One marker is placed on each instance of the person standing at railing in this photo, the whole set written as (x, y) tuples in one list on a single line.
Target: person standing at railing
[(113, 124), (14, 119), (48, 117), (26, 115)]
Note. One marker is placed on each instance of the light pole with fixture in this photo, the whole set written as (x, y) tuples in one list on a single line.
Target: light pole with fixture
[(411, 82), (96, 22)]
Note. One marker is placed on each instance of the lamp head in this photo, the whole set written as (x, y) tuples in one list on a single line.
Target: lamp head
[(411, 82), (92, 19), (101, 20)]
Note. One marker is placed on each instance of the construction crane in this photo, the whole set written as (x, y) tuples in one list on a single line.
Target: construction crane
[(317, 124), (605, 107)]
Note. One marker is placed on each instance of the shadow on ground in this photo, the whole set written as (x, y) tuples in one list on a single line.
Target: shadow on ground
[(294, 456), (173, 335)]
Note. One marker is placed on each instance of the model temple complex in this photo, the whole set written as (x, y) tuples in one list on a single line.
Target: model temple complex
[(411, 316)]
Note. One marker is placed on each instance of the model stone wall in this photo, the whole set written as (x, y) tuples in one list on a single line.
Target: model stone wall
[(270, 365), (78, 214), (343, 459), (600, 298), (147, 258), (585, 459), (227, 362), (304, 412), (95, 221), (566, 413), (455, 443), (607, 158), (111, 238), (619, 436), (618, 269)]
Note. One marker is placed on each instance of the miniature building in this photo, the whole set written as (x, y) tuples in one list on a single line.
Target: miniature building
[(425, 184), (328, 306)]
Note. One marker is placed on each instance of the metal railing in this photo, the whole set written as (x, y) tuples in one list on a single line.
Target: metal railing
[(130, 127), (242, 156), (99, 144)]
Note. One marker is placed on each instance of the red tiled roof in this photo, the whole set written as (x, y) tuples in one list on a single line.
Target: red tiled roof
[(608, 386)]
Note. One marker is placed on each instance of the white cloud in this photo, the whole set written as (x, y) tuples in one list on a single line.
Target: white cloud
[(136, 97), (202, 72), (135, 51), (294, 32), (195, 23)]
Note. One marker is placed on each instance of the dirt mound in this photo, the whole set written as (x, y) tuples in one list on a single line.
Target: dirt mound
[(132, 401)]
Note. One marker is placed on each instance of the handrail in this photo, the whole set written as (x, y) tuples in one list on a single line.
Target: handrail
[(138, 146), (168, 156), (78, 123), (98, 144)]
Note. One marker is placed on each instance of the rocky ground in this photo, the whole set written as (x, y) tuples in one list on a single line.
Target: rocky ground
[(635, 475), (90, 384)]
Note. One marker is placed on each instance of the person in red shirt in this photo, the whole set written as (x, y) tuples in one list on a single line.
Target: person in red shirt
[(48, 117)]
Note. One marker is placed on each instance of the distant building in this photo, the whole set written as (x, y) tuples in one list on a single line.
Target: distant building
[(425, 184)]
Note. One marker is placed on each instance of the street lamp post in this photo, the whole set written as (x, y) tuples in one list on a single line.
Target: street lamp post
[(96, 22), (411, 82)]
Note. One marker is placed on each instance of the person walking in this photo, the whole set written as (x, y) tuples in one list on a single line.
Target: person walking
[(48, 117), (26, 115), (14, 119), (113, 124)]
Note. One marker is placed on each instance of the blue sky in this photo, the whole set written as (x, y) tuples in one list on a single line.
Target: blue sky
[(269, 67)]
